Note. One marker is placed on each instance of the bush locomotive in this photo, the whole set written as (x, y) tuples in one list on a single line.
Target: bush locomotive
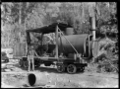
[(69, 52)]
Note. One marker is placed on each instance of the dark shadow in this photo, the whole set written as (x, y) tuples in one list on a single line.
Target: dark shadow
[(47, 69), (54, 70), (42, 69)]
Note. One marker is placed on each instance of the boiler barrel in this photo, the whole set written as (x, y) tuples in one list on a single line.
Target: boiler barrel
[(78, 41)]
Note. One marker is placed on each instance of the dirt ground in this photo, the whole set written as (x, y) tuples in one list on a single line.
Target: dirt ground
[(14, 76)]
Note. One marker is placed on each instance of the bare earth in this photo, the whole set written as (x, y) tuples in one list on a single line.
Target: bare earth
[(49, 77)]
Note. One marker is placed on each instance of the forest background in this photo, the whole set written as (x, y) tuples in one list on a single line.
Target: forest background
[(16, 18)]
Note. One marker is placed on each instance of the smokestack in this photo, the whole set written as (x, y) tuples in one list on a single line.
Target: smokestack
[(94, 28)]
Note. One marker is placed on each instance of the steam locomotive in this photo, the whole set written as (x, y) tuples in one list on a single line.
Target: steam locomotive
[(69, 52)]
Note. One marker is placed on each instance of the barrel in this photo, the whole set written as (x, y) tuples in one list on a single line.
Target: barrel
[(35, 79)]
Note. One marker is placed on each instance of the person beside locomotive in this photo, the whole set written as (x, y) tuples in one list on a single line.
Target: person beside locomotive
[(30, 57)]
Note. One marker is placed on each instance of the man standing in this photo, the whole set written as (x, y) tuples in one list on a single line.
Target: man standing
[(30, 58)]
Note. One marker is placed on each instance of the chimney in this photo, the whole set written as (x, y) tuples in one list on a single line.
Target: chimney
[(94, 28)]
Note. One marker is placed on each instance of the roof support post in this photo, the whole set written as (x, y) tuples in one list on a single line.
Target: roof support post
[(56, 38), (27, 42)]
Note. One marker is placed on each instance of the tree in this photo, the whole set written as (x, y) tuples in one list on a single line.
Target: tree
[(22, 16)]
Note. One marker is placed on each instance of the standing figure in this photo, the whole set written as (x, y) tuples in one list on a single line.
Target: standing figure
[(30, 58)]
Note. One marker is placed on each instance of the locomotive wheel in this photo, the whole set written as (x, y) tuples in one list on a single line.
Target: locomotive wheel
[(71, 68), (60, 68)]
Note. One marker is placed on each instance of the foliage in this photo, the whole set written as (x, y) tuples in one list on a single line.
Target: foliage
[(76, 14), (107, 58), (18, 17)]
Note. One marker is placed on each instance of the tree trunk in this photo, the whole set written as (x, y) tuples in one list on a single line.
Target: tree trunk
[(20, 12)]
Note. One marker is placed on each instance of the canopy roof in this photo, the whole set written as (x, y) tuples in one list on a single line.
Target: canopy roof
[(50, 28)]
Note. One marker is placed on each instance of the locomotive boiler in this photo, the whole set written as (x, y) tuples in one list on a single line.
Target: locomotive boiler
[(81, 43)]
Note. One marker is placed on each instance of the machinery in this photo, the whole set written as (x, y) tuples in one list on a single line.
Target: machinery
[(69, 52)]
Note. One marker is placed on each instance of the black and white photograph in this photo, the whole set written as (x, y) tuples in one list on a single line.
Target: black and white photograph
[(59, 45)]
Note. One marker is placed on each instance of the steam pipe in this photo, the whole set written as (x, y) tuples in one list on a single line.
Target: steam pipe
[(94, 28)]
